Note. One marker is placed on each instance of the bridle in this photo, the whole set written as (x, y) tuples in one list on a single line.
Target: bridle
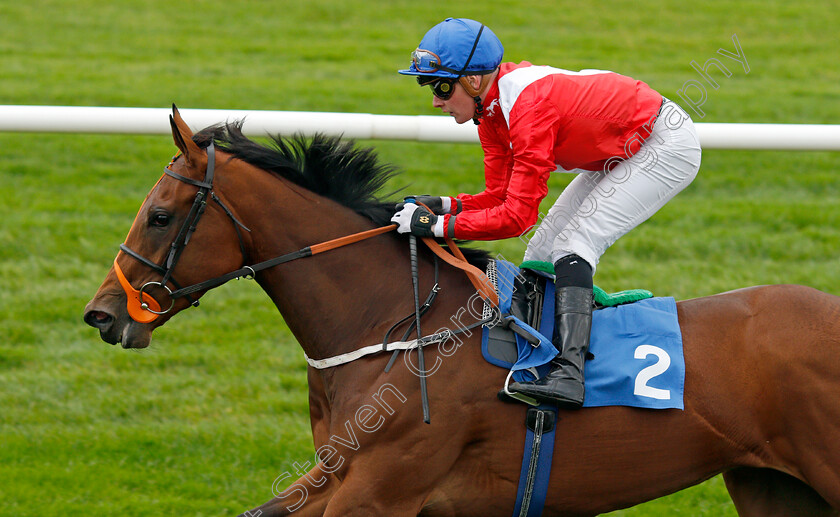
[(142, 306)]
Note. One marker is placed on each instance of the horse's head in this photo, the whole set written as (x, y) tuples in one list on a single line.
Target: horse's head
[(166, 249)]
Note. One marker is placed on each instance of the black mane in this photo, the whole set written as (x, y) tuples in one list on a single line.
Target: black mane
[(336, 169)]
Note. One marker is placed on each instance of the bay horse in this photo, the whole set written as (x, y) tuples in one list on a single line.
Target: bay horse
[(762, 385)]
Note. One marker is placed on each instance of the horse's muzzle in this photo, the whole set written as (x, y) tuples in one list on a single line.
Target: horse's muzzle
[(99, 319), (104, 322)]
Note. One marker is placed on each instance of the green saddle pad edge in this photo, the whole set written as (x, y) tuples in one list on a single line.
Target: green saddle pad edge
[(602, 298)]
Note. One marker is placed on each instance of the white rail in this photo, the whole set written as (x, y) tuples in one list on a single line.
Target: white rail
[(72, 119)]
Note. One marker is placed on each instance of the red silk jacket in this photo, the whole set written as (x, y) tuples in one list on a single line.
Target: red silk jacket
[(537, 120)]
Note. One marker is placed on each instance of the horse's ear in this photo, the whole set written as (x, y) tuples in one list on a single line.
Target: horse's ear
[(182, 135)]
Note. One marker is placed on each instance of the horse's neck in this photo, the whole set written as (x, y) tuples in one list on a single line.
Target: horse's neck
[(333, 302)]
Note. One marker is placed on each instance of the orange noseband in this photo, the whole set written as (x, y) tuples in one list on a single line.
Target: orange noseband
[(137, 305)]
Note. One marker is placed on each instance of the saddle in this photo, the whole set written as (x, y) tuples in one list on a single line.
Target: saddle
[(526, 305), (635, 354), (628, 327), (531, 287)]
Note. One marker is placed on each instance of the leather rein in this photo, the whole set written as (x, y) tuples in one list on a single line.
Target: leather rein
[(144, 308)]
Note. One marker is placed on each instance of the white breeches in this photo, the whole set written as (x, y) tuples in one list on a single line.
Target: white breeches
[(597, 208)]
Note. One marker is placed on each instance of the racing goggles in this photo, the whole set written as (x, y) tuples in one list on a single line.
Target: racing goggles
[(427, 62), (442, 87)]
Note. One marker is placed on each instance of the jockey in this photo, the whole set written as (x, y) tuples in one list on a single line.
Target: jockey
[(632, 149)]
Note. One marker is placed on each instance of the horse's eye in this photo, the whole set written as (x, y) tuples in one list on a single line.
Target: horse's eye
[(159, 220)]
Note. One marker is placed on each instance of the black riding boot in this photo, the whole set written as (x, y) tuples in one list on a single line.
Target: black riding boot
[(563, 385)]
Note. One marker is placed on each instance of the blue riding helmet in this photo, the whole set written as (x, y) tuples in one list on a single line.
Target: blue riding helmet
[(454, 48)]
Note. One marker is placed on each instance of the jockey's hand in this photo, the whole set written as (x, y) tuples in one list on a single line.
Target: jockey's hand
[(438, 205), (418, 221)]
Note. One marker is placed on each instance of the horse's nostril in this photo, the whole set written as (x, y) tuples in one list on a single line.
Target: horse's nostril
[(98, 319)]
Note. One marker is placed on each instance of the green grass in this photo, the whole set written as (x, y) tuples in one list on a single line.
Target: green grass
[(204, 421)]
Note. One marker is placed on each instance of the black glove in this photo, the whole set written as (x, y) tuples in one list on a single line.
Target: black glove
[(416, 220)]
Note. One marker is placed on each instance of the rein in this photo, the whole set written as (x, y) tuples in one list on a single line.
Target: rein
[(250, 271), (144, 308), (477, 277)]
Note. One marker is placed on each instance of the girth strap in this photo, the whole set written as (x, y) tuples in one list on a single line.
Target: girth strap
[(536, 461)]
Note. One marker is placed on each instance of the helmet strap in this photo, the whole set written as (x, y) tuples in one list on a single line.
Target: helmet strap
[(479, 111), (476, 93)]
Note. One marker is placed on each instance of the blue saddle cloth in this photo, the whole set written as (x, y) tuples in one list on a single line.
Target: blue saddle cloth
[(637, 348)]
